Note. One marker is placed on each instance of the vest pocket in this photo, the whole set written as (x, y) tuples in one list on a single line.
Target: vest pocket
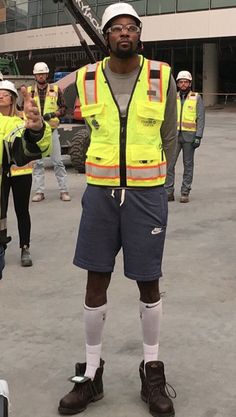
[(143, 154), (95, 115), (145, 164), (149, 117), (102, 154)]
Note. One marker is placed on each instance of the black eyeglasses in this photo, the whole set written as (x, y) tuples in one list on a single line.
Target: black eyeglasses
[(119, 28)]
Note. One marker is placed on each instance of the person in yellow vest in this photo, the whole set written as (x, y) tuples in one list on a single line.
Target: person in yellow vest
[(190, 123), (129, 104), (21, 141), (19, 178), (51, 105)]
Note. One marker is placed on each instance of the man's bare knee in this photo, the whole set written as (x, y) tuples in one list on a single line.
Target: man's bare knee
[(96, 290), (149, 291)]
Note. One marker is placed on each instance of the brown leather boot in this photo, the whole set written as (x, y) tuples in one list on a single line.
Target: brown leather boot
[(84, 392), (171, 196), (184, 198), (153, 389)]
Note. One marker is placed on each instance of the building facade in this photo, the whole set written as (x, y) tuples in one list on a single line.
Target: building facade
[(199, 36)]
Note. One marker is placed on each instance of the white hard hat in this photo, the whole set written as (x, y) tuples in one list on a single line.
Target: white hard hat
[(1, 76), (9, 86), (118, 9), (40, 68), (184, 75)]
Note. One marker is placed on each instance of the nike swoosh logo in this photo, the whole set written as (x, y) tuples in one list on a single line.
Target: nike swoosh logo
[(156, 230)]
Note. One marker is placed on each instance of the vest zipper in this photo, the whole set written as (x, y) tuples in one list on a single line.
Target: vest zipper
[(123, 125), (123, 128)]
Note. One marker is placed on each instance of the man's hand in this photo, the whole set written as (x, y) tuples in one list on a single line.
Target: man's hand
[(48, 116), (34, 120), (196, 142)]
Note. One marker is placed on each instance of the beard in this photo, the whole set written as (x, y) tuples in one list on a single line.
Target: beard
[(41, 82), (121, 53)]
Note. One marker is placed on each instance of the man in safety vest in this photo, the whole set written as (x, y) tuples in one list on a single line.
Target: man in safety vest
[(129, 104), (190, 123), (51, 104), (21, 141)]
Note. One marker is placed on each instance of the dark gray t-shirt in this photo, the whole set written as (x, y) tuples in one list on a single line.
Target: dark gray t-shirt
[(122, 86)]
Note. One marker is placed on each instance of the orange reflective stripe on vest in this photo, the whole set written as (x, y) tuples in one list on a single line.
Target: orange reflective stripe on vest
[(25, 170)]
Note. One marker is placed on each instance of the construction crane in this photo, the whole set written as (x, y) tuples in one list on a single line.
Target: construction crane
[(79, 11)]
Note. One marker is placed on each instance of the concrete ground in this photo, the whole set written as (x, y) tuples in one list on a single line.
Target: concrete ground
[(41, 326)]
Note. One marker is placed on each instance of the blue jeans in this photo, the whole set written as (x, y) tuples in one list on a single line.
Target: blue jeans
[(59, 168)]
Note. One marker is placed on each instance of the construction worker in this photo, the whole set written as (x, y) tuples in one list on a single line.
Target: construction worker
[(51, 104), (21, 142), (190, 121), (129, 103), (19, 179)]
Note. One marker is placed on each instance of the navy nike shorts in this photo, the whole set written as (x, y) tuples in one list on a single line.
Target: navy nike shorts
[(132, 219)]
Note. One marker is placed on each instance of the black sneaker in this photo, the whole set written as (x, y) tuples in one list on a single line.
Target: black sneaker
[(84, 392), (25, 257), (154, 389)]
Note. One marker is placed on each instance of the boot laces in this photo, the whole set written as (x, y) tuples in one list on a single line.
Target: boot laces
[(165, 389)]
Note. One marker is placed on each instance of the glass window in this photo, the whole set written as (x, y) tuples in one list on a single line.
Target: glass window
[(10, 25), (34, 8), (222, 3), (106, 2), (140, 7), (49, 6), (21, 10), (21, 24), (189, 5), (63, 19), (100, 11), (49, 19), (160, 6), (2, 28), (34, 22), (11, 12)]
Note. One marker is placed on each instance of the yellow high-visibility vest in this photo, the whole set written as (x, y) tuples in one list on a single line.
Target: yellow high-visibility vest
[(50, 103), (125, 152), (25, 170), (187, 114)]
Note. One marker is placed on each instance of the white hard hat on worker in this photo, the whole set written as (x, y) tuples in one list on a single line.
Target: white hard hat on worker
[(184, 75), (8, 86), (40, 68), (116, 10)]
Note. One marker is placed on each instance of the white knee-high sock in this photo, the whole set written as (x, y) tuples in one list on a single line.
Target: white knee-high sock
[(94, 319), (151, 315)]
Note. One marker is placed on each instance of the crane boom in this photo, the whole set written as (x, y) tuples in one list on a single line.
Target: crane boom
[(83, 14)]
